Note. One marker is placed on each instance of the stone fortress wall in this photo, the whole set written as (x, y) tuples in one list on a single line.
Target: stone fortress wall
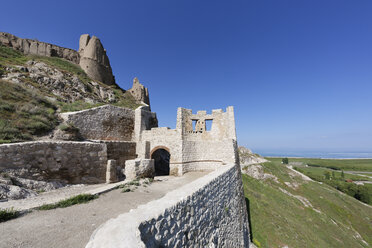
[(103, 123), (209, 212), (109, 134), (65, 161), (91, 57), (68, 162), (35, 47), (192, 147)]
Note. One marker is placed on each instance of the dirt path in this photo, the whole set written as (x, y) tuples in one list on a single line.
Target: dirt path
[(73, 226)]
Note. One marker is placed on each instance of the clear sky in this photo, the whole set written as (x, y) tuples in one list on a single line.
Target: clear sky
[(298, 72)]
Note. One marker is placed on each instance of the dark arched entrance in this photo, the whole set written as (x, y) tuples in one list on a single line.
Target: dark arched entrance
[(161, 158)]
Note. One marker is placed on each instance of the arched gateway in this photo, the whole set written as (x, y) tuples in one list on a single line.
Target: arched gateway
[(161, 157)]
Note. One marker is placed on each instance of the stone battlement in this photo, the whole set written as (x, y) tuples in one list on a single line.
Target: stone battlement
[(35, 47)]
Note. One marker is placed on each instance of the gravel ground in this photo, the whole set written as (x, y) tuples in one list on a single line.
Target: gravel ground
[(73, 226), (50, 197)]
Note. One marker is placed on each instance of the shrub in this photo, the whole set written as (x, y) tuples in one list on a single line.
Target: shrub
[(256, 242), (8, 214), (327, 175), (285, 160), (83, 198), (126, 189), (68, 128), (134, 182)]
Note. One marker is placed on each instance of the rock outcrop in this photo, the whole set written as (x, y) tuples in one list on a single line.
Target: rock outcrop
[(94, 60), (91, 56), (140, 92), (60, 84), (28, 46), (247, 157)]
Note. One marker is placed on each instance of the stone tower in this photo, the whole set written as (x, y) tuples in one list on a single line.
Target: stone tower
[(94, 61), (140, 92)]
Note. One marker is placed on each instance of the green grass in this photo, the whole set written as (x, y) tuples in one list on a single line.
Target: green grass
[(24, 113), (359, 192), (8, 214), (126, 100), (320, 172), (9, 56), (83, 198), (278, 219), (342, 164)]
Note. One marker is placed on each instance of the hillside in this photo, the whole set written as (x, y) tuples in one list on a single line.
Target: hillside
[(247, 157), (36, 88), (288, 209)]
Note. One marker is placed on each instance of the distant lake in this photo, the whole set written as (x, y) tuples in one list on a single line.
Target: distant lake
[(317, 154)]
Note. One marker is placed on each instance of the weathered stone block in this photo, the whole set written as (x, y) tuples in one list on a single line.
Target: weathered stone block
[(139, 168), (111, 176)]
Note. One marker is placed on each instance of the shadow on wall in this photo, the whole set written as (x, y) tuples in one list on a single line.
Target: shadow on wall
[(249, 218)]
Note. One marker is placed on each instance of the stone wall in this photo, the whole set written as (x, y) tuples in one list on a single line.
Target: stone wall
[(91, 57), (193, 150), (68, 162), (164, 138), (65, 161), (202, 154), (209, 212), (28, 46), (103, 123), (120, 151)]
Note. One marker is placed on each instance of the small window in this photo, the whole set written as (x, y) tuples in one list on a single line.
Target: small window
[(194, 124), (208, 125)]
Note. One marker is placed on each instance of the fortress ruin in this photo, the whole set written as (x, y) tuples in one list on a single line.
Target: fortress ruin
[(124, 144)]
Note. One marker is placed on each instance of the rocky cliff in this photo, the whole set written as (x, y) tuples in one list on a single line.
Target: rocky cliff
[(247, 157)]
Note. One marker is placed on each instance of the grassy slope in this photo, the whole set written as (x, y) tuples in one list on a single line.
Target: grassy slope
[(25, 112), (279, 219), (320, 172), (343, 164)]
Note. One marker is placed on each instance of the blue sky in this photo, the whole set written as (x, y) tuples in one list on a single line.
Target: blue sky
[(299, 73)]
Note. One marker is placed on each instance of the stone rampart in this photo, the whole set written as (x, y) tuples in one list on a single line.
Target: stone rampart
[(103, 123), (206, 154), (28, 46), (68, 162), (94, 60), (209, 212)]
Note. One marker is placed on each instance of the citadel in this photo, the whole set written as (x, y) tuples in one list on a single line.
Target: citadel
[(119, 144)]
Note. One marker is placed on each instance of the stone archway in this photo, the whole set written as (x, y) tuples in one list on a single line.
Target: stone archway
[(161, 157)]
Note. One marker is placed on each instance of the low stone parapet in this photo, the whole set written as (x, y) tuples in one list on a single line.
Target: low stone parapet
[(209, 212)]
